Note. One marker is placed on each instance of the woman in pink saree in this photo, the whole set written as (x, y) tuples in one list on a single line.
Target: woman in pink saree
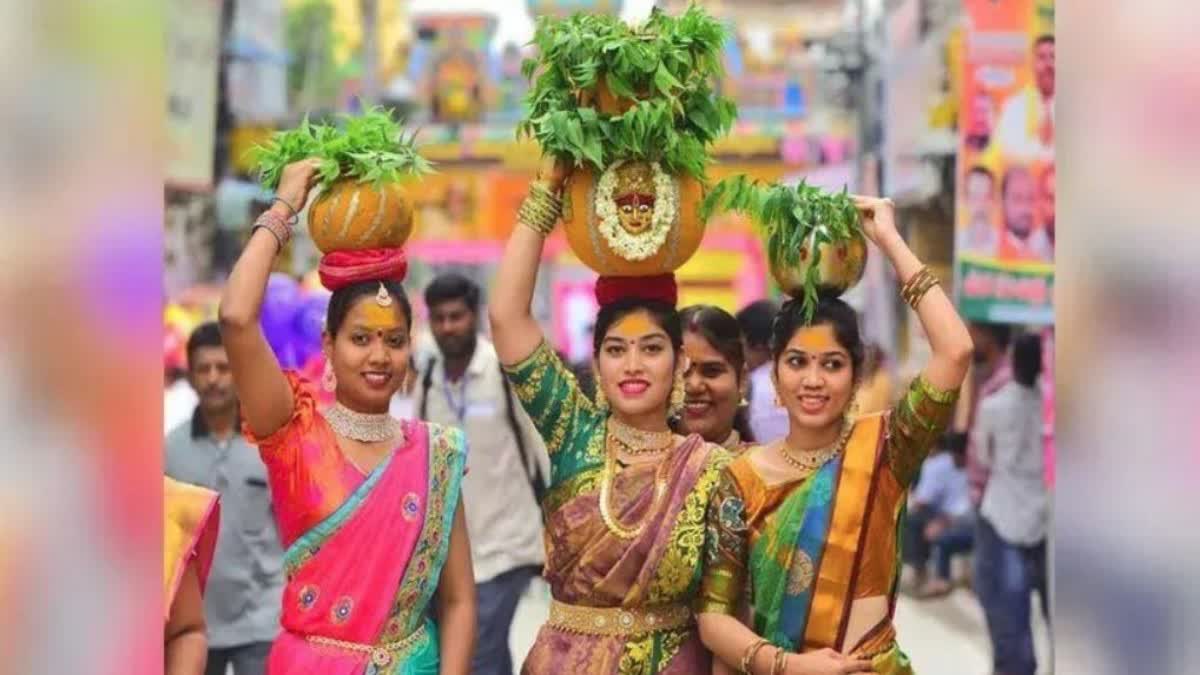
[(368, 506)]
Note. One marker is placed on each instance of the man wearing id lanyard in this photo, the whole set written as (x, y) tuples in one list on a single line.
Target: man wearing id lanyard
[(507, 465)]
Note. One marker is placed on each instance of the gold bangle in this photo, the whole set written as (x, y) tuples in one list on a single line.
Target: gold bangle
[(751, 652), (917, 286), (780, 662), (541, 210)]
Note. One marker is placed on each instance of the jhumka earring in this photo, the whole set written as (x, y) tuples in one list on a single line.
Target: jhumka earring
[(328, 378), (677, 396), (601, 399)]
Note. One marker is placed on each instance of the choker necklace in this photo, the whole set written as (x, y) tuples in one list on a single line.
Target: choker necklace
[(811, 460), (364, 427), (638, 442)]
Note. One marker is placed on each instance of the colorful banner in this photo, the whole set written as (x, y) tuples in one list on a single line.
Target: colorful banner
[(1005, 217)]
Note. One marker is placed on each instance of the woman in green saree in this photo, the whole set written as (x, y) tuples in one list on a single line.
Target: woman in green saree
[(625, 512), (803, 552)]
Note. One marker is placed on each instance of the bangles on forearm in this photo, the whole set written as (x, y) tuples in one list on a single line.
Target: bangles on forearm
[(541, 210), (275, 224), (750, 653), (917, 286)]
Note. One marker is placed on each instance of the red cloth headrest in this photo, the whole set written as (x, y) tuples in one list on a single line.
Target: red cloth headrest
[(343, 268), (661, 288)]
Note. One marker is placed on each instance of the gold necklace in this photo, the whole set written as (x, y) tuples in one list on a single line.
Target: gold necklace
[(637, 442), (606, 480), (811, 460)]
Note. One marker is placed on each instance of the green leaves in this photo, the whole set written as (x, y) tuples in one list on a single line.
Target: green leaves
[(790, 219), (371, 147), (666, 65)]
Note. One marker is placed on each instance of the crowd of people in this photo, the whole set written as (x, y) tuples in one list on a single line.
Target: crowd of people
[(730, 492)]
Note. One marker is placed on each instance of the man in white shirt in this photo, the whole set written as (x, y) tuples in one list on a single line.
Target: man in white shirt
[(1010, 547), (979, 195), (768, 420), (1026, 126), (463, 386), (941, 518)]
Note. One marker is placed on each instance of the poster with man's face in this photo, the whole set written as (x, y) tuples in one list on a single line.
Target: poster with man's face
[(1006, 178)]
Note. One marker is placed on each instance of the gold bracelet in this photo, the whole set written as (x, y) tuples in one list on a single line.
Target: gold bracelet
[(780, 662), (541, 210), (917, 286), (751, 652)]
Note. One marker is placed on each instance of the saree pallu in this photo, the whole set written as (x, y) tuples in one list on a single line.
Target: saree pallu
[(591, 571), (590, 567), (792, 560), (190, 521), (359, 583)]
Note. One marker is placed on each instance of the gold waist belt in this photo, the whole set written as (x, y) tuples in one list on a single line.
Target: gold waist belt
[(617, 621), (382, 655)]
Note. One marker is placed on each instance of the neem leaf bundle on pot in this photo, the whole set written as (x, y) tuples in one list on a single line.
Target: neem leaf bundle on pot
[(632, 108), (814, 238), (364, 163)]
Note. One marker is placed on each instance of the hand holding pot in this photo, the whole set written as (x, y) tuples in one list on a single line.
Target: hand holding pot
[(878, 218), (294, 183), (554, 172)]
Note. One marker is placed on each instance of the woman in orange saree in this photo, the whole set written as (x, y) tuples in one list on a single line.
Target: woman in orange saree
[(625, 509), (368, 506), (190, 518), (803, 549)]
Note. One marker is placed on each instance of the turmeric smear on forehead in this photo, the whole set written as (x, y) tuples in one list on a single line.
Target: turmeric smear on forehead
[(380, 318), (634, 326), (817, 340)]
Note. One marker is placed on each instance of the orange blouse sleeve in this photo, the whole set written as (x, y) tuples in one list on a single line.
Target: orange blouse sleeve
[(304, 413)]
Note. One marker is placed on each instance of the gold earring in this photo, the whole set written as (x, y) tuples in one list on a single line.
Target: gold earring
[(601, 399), (677, 396), (328, 378)]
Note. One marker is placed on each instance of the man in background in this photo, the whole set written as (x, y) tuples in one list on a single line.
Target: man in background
[(464, 386), (768, 420), (941, 519), (245, 586)]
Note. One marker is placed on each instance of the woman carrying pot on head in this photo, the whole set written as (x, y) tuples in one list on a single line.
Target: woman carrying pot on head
[(367, 505), (803, 557), (625, 508), (190, 521), (716, 379)]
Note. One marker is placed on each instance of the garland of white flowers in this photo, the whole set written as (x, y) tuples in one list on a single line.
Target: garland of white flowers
[(635, 247)]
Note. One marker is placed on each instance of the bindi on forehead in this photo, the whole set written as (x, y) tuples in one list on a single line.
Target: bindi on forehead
[(817, 340)]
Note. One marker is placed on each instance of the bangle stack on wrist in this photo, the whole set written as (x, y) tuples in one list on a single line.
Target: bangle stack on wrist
[(277, 225), (541, 209), (917, 286), (750, 653)]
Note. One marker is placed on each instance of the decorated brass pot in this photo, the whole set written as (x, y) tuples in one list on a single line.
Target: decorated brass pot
[(350, 215), (634, 219), (841, 267)]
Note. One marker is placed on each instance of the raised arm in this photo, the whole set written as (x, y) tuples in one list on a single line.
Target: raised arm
[(515, 333), (948, 337), (262, 388)]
